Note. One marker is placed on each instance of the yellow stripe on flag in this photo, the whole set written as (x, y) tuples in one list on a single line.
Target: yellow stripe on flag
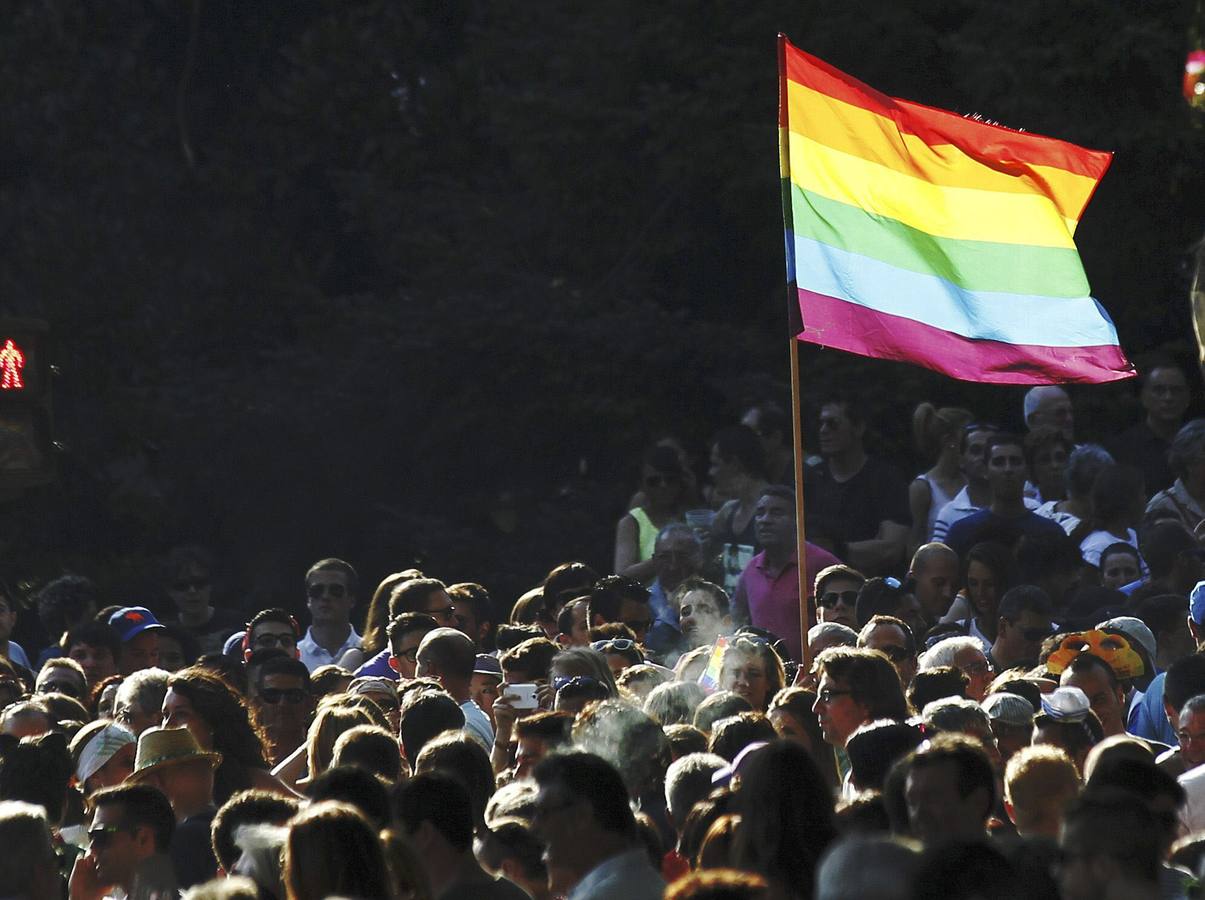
[(876, 138), (955, 212)]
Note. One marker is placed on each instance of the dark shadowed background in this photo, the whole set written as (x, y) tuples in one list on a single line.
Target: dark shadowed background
[(416, 282)]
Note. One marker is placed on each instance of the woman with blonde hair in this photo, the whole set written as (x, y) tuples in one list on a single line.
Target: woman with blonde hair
[(333, 851), (936, 433)]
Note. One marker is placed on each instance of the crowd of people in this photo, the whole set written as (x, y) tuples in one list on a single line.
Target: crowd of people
[(995, 688)]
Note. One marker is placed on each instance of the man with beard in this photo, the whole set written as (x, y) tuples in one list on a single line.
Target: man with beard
[(767, 594)]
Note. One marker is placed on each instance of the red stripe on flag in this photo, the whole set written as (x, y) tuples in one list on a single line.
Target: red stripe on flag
[(990, 144), (831, 322)]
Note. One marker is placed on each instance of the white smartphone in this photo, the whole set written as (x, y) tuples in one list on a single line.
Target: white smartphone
[(524, 696)]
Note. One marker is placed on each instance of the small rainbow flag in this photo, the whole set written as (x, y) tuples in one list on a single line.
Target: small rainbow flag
[(710, 679), (916, 234)]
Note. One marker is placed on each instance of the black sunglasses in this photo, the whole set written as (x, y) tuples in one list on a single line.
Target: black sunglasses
[(291, 696), (832, 598)]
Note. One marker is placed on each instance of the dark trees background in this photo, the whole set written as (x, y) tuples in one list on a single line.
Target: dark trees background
[(417, 281)]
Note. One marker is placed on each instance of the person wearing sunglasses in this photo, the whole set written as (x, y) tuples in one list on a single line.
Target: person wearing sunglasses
[(131, 829), (837, 588), (664, 487), (330, 589), (1023, 622), (284, 703), (63, 676), (618, 598), (189, 585), (892, 637)]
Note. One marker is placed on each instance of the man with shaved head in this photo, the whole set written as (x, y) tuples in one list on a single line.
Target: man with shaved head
[(934, 569), (449, 656)]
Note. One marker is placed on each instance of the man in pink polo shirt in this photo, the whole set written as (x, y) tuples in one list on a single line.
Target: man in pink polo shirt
[(767, 594)]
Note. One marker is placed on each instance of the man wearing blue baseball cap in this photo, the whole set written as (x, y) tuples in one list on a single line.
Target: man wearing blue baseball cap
[(139, 632)]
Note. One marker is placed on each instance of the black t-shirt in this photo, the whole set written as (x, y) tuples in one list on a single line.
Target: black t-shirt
[(1146, 451), (838, 513), (192, 850)]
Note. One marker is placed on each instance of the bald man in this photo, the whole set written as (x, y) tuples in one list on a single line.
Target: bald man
[(934, 568), (450, 656)]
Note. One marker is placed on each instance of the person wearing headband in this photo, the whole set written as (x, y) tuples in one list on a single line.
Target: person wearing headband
[(103, 753)]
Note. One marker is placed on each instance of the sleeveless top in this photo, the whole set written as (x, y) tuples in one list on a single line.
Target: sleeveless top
[(736, 549), (938, 499), (646, 538)]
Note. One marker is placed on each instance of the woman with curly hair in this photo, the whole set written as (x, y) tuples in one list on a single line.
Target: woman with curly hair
[(201, 701)]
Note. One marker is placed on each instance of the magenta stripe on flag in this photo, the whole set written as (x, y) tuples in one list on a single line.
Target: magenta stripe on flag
[(836, 323)]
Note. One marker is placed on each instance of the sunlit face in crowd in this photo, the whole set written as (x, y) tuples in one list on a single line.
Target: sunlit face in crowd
[(171, 654), (1105, 697), (774, 522), (118, 768), (134, 717), (838, 713), (579, 634), (678, 555), (190, 591), (937, 809), (983, 591), (789, 728), (637, 616), (284, 707), (973, 663), (484, 691), (1006, 471), (1165, 394), (974, 456), (270, 635), (1118, 569), (1054, 410), (1192, 737), (936, 584), (60, 679), (891, 640), (439, 606), (838, 432), (745, 674), (700, 618), (117, 847), (837, 600), (329, 597), (178, 712), (140, 652), (1049, 466)]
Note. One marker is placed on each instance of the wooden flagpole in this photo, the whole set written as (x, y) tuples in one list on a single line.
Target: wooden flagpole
[(795, 318), (805, 661)]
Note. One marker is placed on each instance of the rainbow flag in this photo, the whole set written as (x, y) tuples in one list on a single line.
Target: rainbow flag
[(918, 235), (711, 676)]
